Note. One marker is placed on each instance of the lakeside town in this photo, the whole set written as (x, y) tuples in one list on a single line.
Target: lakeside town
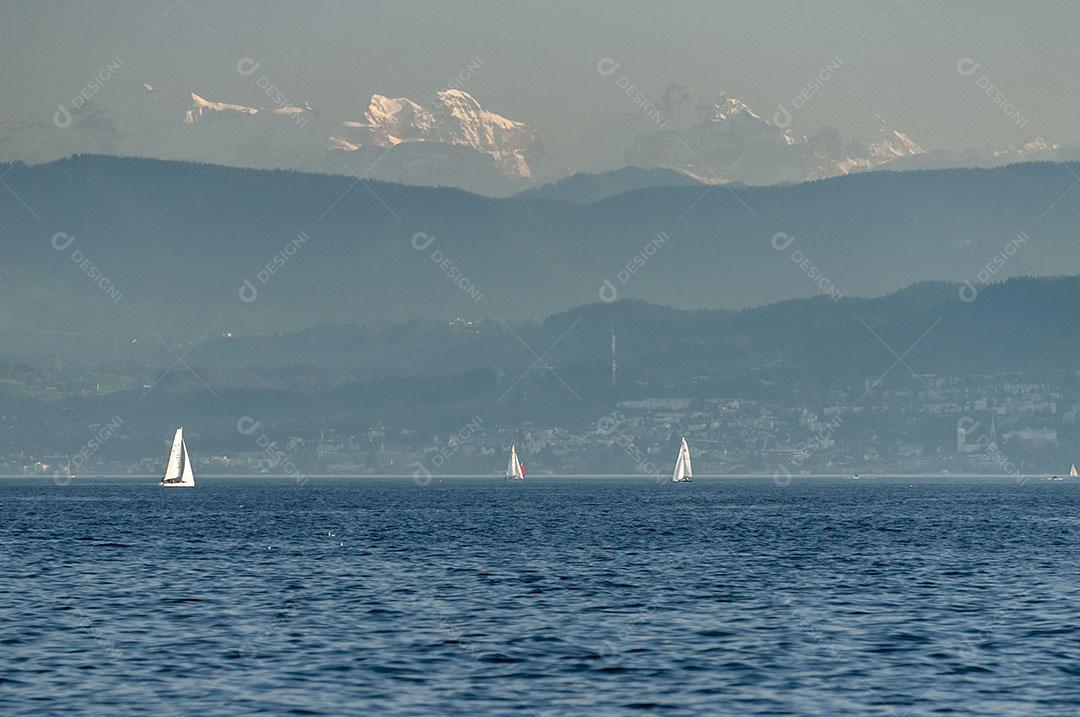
[(986, 424)]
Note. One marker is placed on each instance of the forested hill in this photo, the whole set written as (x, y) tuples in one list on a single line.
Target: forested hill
[(99, 244)]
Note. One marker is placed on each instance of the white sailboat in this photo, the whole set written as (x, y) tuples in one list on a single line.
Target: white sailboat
[(684, 472), (514, 469), (178, 473), (1073, 473)]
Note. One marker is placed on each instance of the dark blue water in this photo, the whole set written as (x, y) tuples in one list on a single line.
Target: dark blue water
[(598, 597)]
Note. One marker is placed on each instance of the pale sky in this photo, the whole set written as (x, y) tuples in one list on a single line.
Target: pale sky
[(538, 58)]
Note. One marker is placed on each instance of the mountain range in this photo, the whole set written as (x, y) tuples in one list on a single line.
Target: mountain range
[(115, 249), (436, 376), (815, 341), (455, 141)]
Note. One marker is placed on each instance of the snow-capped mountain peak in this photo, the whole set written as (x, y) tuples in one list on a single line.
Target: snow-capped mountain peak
[(724, 140), (454, 117), (894, 144), (202, 107), (393, 120), (729, 107), (1034, 148)]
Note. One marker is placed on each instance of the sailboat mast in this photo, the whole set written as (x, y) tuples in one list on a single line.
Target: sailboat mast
[(183, 454)]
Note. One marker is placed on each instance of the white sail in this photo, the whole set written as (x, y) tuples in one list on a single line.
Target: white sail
[(188, 476), (679, 474), (513, 468), (1073, 473), (684, 471), (178, 471), (174, 467)]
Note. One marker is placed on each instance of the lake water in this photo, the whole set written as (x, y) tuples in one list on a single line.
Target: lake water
[(548, 596)]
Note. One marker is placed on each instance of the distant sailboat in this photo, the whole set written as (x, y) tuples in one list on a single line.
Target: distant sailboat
[(684, 472), (178, 473), (514, 469), (1072, 474)]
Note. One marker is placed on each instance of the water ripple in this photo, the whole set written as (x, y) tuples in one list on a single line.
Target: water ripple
[(548, 597)]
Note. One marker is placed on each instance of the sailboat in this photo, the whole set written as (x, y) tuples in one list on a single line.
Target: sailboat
[(1073, 473), (684, 472), (178, 473), (514, 469)]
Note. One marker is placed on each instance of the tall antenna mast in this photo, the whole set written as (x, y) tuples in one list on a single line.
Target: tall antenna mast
[(614, 359)]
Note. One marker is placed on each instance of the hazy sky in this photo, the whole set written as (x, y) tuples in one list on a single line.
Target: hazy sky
[(538, 57)]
